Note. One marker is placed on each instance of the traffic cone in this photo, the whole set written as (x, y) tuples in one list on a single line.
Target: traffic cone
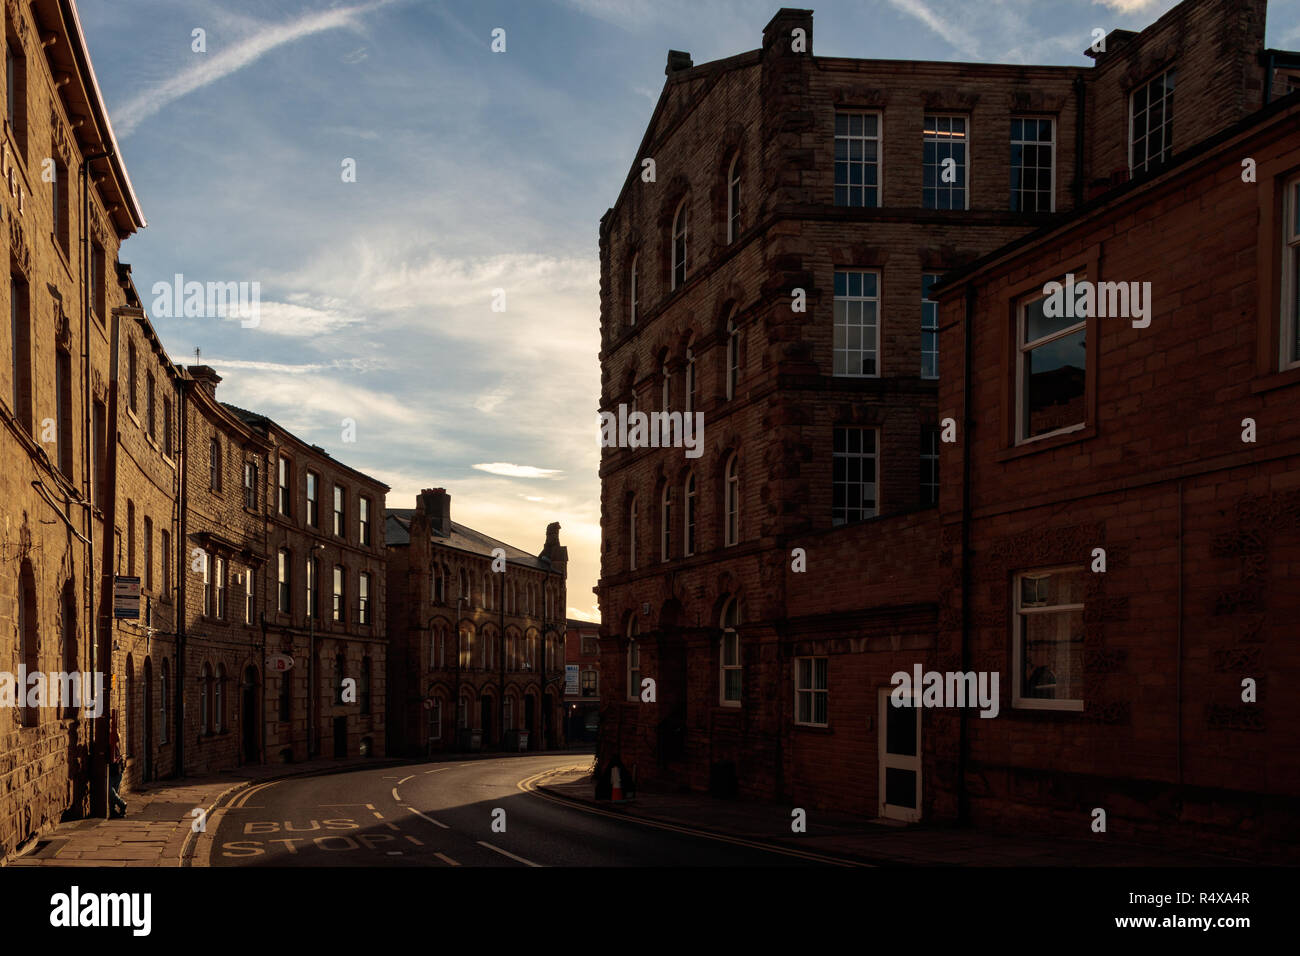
[(615, 784)]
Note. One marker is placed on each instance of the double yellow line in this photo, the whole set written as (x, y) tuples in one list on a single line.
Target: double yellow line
[(529, 785)]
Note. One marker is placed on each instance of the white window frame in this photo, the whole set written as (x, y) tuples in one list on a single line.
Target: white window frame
[(733, 355), (878, 163), (221, 581), (1051, 146), (1023, 348), (929, 329), (812, 690), (930, 435), (731, 502), (633, 662), (861, 326), (729, 635), (1169, 73), (250, 596), (363, 598), (1036, 703), (733, 198), (682, 216), (1290, 339), (874, 456), (936, 136)]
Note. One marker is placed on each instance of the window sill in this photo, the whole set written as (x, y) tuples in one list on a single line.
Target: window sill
[(814, 728), (1056, 440), (1053, 706), (1281, 379)]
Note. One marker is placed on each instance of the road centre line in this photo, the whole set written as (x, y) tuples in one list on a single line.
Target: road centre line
[(423, 817)]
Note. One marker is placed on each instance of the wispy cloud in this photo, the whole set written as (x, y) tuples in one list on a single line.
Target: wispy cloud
[(1126, 6), (955, 36), (517, 471), (213, 66)]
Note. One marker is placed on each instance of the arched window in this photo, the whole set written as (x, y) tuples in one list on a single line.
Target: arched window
[(688, 539), (666, 524), (633, 662), (632, 292), (729, 657), (128, 727), (439, 582), (732, 502), (462, 712), (631, 534), (690, 377), (680, 225), (219, 699), (667, 375), (733, 198), (205, 697), (164, 701), (733, 355)]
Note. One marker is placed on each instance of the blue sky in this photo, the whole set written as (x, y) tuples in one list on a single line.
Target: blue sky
[(474, 171)]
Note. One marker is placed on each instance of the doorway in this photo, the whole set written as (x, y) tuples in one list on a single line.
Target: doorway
[(340, 736), (899, 749)]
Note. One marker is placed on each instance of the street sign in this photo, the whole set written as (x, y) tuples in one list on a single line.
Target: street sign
[(571, 687), (126, 597), (278, 662)]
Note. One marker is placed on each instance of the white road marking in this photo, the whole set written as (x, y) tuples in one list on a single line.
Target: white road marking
[(404, 779), (507, 853), (395, 796), (439, 770), (378, 814), (394, 852), (414, 840), (430, 819), (446, 859)]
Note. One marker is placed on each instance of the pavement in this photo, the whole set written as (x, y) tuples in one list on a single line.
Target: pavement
[(160, 820), (870, 841)]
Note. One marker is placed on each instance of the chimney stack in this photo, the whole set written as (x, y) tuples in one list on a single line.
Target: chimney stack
[(677, 61), (207, 377), (436, 505)]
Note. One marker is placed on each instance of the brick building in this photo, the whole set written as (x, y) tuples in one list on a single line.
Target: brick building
[(582, 680), (774, 276), (488, 638), (1124, 687), (145, 463), (323, 602), (56, 392)]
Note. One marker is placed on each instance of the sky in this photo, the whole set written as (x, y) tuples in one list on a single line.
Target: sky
[(475, 171)]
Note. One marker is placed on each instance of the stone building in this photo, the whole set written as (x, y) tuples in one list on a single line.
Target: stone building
[(1130, 525), (323, 603), (774, 276), (56, 391), (582, 680), (145, 463), (477, 624)]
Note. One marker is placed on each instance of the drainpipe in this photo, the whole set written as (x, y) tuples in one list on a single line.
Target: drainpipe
[(182, 567), (968, 424), (104, 662)]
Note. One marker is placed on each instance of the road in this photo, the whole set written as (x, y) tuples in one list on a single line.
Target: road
[(462, 813)]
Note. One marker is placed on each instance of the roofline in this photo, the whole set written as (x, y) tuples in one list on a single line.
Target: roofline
[(82, 54), (314, 449), (1177, 166)]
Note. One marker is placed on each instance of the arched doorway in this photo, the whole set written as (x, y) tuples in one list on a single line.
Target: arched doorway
[(148, 719), (485, 719), (248, 715)]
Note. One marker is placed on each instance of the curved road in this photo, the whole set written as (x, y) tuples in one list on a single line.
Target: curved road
[(463, 813)]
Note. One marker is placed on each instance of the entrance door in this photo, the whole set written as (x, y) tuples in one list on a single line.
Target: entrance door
[(899, 745), (340, 736), (248, 716)]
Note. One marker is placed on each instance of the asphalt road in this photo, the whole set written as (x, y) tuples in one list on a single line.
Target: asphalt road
[(463, 813)]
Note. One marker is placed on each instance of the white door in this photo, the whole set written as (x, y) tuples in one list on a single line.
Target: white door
[(899, 746)]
